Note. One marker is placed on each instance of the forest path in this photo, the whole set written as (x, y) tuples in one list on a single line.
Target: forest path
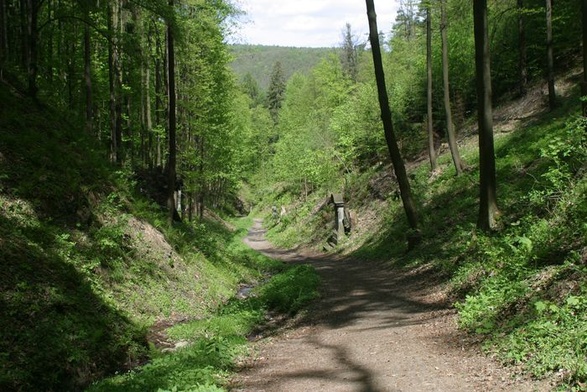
[(373, 329)]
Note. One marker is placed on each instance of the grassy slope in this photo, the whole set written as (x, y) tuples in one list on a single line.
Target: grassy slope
[(83, 272), (522, 288)]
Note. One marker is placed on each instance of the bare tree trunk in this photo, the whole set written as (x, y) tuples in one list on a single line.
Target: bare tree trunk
[(148, 117), (159, 92), (158, 105), (72, 74), (171, 163), (32, 35), (114, 83), (450, 127), (584, 84), (88, 79), (396, 159), (488, 196), (550, 56), (202, 185), (523, 53), (431, 147), (3, 37)]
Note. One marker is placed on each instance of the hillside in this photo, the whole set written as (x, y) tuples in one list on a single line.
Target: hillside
[(92, 276), (519, 291), (258, 60)]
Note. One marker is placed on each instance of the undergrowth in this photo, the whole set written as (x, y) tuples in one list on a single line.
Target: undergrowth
[(88, 264), (217, 342), (523, 287)]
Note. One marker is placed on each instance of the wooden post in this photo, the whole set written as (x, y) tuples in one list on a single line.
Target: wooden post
[(338, 202)]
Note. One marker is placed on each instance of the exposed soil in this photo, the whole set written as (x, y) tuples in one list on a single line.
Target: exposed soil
[(373, 329)]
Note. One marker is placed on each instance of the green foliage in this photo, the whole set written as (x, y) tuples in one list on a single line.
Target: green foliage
[(258, 61), (516, 280), (275, 91), (521, 288), (291, 290), (217, 342), (549, 335), (565, 155), (59, 322), (84, 273)]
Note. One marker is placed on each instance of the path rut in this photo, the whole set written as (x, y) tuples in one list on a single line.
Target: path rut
[(372, 330)]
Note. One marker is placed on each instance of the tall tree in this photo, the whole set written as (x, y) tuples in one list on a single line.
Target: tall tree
[(276, 91), (550, 56), (522, 49), (396, 159), (349, 55), (584, 84), (88, 67), (3, 37), (450, 127), (430, 123), (32, 37), (115, 83), (406, 19), (172, 122), (251, 87), (487, 186)]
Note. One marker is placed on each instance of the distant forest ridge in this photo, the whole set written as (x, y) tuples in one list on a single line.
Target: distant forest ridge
[(258, 60)]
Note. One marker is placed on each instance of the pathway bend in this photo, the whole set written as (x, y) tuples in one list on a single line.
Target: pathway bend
[(372, 330)]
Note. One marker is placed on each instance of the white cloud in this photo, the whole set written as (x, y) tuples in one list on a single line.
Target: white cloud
[(309, 23)]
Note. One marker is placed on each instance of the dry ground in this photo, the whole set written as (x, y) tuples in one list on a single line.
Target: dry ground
[(373, 329)]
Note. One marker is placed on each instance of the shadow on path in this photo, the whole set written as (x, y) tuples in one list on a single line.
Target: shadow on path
[(372, 330)]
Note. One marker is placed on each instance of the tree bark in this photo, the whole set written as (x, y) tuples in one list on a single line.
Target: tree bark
[(88, 79), (396, 159), (431, 146), (32, 35), (584, 84), (114, 83), (172, 123), (522, 49), (450, 127), (202, 187), (487, 185), (3, 37), (550, 56), (159, 93)]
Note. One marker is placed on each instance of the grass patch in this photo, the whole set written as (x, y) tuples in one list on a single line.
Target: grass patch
[(87, 264), (217, 342)]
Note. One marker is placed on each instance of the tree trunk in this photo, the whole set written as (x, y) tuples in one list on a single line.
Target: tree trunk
[(88, 78), (3, 37), (32, 35), (522, 48), (202, 186), (584, 84), (172, 123), (431, 147), (450, 127), (159, 72), (396, 159), (72, 74), (114, 83), (487, 185), (550, 56)]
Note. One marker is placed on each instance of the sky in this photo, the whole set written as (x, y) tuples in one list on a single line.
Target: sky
[(309, 23)]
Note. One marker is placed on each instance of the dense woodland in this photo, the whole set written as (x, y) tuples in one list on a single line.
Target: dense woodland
[(153, 88)]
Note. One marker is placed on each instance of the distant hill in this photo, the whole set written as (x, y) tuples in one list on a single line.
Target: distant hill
[(258, 60)]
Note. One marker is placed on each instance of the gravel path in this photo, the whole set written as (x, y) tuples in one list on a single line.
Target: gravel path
[(372, 330)]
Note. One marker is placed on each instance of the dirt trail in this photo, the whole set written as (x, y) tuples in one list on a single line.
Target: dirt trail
[(372, 330)]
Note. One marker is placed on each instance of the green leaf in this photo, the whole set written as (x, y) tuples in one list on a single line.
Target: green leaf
[(540, 306), (573, 301)]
